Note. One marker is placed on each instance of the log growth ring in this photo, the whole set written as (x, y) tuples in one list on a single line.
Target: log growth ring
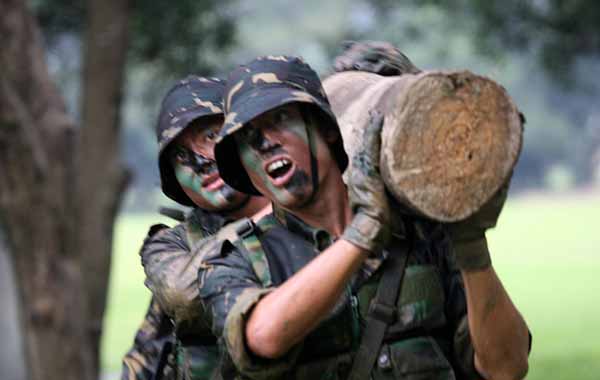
[(459, 138)]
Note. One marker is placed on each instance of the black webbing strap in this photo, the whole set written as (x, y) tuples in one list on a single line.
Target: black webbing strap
[(382, 311), (163, 359)]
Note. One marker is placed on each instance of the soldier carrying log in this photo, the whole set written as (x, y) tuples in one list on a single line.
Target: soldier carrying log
[(346, 287)]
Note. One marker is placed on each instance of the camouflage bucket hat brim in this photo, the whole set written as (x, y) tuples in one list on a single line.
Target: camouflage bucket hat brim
[(190, 99)]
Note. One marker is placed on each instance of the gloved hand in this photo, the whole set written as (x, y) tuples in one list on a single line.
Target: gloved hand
[(376, 57), (370, 227), (469, 244)]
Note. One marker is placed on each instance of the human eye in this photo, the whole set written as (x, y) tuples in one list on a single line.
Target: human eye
[(210, 136), (180, 154)]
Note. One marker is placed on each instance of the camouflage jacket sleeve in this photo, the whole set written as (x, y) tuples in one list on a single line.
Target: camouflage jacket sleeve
[(171, 268), (141, 360), (230, 289)]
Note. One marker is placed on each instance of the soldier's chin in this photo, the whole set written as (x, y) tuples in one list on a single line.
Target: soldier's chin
[(291, 200), (233, 198)]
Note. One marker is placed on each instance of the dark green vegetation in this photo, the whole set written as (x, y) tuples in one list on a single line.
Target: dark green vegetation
[(176, 38)]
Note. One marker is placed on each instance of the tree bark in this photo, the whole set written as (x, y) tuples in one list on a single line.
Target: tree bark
[(40, 207), (100, 176), (450, 139)]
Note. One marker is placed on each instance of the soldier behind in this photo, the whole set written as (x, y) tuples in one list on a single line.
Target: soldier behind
[(190, 118), (350, 290)]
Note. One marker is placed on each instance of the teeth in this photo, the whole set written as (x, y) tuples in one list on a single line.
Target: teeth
[(276, 165)]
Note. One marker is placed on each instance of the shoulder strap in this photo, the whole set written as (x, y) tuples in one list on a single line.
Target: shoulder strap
[(163, 360), (247, 233), (382, 311)]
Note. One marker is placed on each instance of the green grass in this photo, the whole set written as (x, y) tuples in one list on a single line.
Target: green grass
[(545, 250)]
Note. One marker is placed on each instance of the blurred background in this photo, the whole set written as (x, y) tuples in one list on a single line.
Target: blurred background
[(546, 53)]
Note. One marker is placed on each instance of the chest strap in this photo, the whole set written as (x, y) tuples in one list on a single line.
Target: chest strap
[(247, 233), (382, 311)]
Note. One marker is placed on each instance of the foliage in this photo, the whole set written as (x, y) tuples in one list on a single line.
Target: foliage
[(560, 30), (175, 38)]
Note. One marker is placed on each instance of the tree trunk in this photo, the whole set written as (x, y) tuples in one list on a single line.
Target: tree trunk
[(39, 210), (450, 139), (99, 173)]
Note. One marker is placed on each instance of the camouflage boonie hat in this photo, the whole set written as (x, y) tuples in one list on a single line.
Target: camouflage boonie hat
[(191, 98), (260, 86)]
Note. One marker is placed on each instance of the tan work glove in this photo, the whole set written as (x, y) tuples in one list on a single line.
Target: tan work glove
[(370, 227), (469, 244)]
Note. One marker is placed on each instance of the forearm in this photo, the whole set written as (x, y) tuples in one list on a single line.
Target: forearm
[(285, 316), (498, 331)]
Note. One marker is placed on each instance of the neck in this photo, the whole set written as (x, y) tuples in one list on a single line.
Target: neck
[(329, 209), (252, 206)]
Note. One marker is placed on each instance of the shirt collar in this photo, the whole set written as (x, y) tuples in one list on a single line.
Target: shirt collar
[(318, 237), (321, 239)]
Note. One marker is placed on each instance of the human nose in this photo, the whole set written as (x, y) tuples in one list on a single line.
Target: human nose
[(264, 141)]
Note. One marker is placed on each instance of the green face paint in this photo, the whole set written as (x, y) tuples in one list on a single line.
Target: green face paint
[(280, 139), (207, 189)]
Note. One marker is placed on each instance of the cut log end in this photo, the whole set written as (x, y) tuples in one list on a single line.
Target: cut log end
[(449, 144)]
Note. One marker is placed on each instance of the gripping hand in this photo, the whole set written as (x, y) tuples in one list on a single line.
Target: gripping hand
[(370, 227), (469, 244)]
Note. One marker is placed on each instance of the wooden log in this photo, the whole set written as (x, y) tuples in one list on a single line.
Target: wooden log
[(450, 139)]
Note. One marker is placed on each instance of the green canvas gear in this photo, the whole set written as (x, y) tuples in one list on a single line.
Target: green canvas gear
[(190, 99), (258, 87), (382, 312), (418, 343)]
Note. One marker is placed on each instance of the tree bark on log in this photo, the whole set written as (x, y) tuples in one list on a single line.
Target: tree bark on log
[(450, 139), (47, 223)]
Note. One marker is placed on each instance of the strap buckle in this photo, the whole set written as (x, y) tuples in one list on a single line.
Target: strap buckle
[(245, 228), (383, 312)]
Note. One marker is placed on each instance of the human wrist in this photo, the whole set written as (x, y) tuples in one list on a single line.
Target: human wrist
[(366, 232), (471, 254)]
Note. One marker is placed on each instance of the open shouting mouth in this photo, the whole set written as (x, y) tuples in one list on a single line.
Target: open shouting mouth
[(280, 170)]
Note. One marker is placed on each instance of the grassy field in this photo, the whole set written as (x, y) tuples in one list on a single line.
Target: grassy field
[(546, 251)]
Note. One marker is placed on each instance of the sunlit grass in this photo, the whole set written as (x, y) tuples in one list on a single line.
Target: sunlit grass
[(545, 250)]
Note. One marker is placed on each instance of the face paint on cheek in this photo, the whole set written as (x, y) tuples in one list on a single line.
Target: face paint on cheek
[(220, 198), (187, 177), (253, 163), (298, 183)]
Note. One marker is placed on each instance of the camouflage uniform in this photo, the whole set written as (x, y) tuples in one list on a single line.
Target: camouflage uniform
[(171, 256), (141, 361), (429, 338)]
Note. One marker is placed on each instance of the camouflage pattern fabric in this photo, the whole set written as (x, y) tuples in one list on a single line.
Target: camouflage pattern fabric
[(171, 259), (376, 57), (260, 86), (427, 341), (190, 99), (141, 361)]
